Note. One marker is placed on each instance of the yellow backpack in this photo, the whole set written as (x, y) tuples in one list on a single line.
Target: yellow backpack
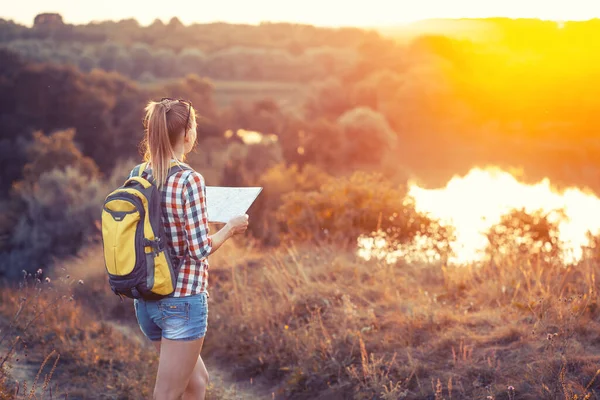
[(136, 254)]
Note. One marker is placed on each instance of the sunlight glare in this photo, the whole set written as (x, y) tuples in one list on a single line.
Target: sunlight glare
[(474, 203)]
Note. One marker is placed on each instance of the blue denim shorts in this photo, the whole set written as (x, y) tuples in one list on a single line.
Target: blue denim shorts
[(173, 318)]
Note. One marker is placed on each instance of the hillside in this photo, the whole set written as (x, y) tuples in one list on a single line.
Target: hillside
[(292, 327), (346, 284)]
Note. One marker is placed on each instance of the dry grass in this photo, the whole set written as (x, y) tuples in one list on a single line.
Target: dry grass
[(319, 323), (74, 352), (70, 337), (330, 325)]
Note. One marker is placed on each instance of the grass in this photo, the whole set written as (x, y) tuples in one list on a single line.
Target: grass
[(73, 351), (320, 323), (68, 337), (330, 325)]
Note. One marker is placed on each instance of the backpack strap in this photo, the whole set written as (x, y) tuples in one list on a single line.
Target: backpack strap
[(176, 168), (141, 168), (138, 170)]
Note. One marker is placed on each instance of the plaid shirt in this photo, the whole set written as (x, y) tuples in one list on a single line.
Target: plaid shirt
[(186, 226)]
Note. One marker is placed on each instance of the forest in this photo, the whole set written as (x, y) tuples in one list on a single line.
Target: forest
[(351, 100)]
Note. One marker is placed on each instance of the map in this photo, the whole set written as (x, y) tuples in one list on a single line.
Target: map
[(224, 203)]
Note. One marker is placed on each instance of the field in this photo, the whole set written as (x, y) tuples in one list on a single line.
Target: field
[(286, 93), (321, 323)]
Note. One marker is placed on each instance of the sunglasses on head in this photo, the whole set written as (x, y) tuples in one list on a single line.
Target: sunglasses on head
[(189, 103)]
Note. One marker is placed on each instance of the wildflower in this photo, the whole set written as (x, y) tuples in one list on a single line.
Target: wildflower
[(47, 280), (39, 271), (286, 327), (511, 388)]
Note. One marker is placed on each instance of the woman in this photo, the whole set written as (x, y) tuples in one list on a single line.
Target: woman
[(176, 325)]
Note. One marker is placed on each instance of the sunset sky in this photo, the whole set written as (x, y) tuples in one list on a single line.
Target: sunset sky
[(317, 12)]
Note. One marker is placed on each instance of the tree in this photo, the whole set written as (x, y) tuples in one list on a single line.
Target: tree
[(329, 98), (104, 108), (165, 63), (54, 207), (56, 151), (48, 20), (367, 136), (142, 58), (191, 61), (175, 24)]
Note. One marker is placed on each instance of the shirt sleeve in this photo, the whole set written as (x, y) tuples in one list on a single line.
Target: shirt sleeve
[(196, 217)]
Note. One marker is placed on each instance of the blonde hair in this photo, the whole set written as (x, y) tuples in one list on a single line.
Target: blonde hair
[(165, 125)]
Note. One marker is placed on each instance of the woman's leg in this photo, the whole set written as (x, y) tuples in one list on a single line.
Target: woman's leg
[(198, 383), (176, 363)]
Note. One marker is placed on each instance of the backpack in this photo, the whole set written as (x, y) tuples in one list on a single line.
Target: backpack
[(136, 254)]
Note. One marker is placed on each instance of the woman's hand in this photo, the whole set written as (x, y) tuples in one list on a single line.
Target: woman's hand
[(235, 226), (238, 224)]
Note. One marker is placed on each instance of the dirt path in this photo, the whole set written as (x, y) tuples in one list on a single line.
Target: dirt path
[(223, 386), (23, 368)]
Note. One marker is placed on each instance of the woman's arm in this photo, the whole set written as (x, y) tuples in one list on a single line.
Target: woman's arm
[(233, 227), (200, 244)]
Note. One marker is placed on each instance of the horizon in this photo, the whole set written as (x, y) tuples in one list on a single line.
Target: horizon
[(374, 14)]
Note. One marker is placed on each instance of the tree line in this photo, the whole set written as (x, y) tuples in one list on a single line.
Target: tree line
[(429, 108)]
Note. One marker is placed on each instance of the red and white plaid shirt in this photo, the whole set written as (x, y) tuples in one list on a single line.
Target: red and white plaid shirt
[(185, 221)]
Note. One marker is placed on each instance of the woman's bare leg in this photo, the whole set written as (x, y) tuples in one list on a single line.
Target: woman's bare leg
[(177, 362), (198, 383)]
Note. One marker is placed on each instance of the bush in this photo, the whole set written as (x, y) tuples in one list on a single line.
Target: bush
[(343, 209), (277, 182), (524, 236), (58, 217), (245, 163)]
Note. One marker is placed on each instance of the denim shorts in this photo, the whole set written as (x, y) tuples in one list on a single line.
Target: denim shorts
[(173, 318)]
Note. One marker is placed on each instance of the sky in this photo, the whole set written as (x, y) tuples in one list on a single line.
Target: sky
[(317, 12)]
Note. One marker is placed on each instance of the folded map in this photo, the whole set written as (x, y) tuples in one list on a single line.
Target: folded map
[(224, 203)]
